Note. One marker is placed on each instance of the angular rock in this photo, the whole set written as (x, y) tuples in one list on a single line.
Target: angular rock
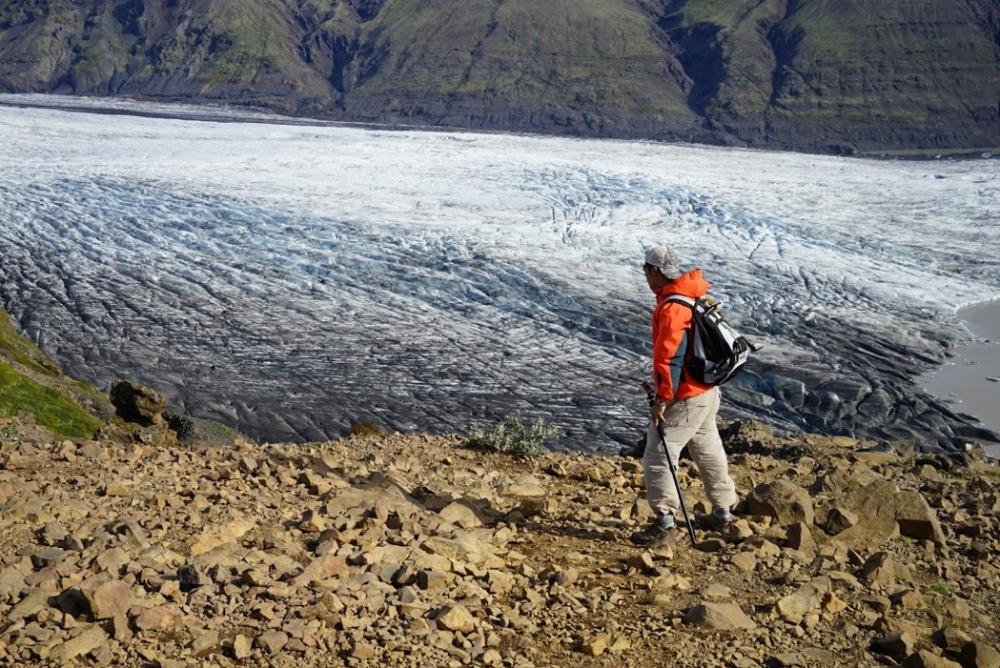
[(323, 568), (158, 618), (794, 607), (839, 519), (977, 654), (272, 642), (456, 618), (206, 643), (29, 606), (525, 485), (137, 403), (461, 515), (925, 659), (210, 540), (917, 519), (241, 646), (780, 499), (719, 616), (881, 569), (951, 639), (875, 506), (800, 538), (109, 599), (898, 645), (84, 643)]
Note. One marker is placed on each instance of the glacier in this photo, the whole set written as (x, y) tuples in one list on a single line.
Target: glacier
[(294, 279)]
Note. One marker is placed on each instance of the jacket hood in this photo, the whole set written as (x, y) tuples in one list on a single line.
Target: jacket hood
[(690, 284)]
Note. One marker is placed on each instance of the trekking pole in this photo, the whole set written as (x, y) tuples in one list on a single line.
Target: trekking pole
[(651, 396)]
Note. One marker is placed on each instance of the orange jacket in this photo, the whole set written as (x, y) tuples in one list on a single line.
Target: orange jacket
[(671, 334)]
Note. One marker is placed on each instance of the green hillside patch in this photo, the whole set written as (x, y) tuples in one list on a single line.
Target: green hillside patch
[(21, 350), (52, 409)]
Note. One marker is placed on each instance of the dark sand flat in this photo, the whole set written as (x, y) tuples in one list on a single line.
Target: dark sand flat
[(970, 382)]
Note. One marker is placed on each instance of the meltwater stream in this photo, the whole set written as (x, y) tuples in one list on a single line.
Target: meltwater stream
[(293, 280)]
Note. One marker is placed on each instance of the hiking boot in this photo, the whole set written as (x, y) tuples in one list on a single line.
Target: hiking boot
[(720, 519), (659, 533)]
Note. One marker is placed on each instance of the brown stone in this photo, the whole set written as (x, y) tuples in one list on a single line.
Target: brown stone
[(212, 539), (897, 645), (323, 568), (977, 654), (719, 616), (84, 643), (925, 659), (881, 569), (456, 618), (917, 519), (109, 599), (794, 607), (460, 514), (839, 519), (137, 403), (272, 642), (780, 499), (206, 643), (800, 538), (241, 646), (157, 619)]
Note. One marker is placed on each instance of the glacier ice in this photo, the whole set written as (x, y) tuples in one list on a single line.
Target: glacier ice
[(294, 279)]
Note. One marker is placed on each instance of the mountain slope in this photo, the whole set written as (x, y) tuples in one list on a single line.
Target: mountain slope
[(811, 74), (31, 383)]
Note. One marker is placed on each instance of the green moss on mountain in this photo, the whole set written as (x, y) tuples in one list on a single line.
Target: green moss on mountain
[(816, 74), (31, 383), (51, 408)]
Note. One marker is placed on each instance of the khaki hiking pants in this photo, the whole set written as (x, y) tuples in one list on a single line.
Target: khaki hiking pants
[(688, 422)]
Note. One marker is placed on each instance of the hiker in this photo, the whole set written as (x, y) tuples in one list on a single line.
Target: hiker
[(684, 408)]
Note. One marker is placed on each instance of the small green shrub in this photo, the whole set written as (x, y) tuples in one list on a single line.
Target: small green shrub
[(513, 437), (940, 587), (365, 429)]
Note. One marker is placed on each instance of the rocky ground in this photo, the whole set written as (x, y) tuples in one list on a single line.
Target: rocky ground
[(387, 549)]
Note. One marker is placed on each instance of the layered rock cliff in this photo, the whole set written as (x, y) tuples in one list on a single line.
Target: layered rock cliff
[(801, 74)]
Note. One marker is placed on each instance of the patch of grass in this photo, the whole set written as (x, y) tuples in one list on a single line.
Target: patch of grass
[(513, 437), (52, 409), (365, 429), (940, 587), (21, 350)]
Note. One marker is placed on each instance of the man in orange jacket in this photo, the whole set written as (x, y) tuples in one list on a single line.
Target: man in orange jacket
[(684, 408)]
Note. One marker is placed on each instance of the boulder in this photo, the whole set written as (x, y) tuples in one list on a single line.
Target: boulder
[(719, 616), (925, 659), (241, 646), (917, 519), (456, 618), (108, 599), (272, 642), (785, 502), (898, 644), (794, 607), (158, 618), (137, 403), (881, 569), (839, 519), (209, 540), (29, 606), (977, 654), (205, 643), (875, 506), (800, 538), (460, 514), (90, 639)]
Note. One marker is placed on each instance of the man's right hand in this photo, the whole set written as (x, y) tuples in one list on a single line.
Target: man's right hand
[(657, 411)]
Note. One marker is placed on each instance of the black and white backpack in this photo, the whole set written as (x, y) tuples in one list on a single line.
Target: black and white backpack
[(719, 351)]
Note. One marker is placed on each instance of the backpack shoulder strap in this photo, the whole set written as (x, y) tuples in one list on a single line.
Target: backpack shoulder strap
[(680, 299)]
